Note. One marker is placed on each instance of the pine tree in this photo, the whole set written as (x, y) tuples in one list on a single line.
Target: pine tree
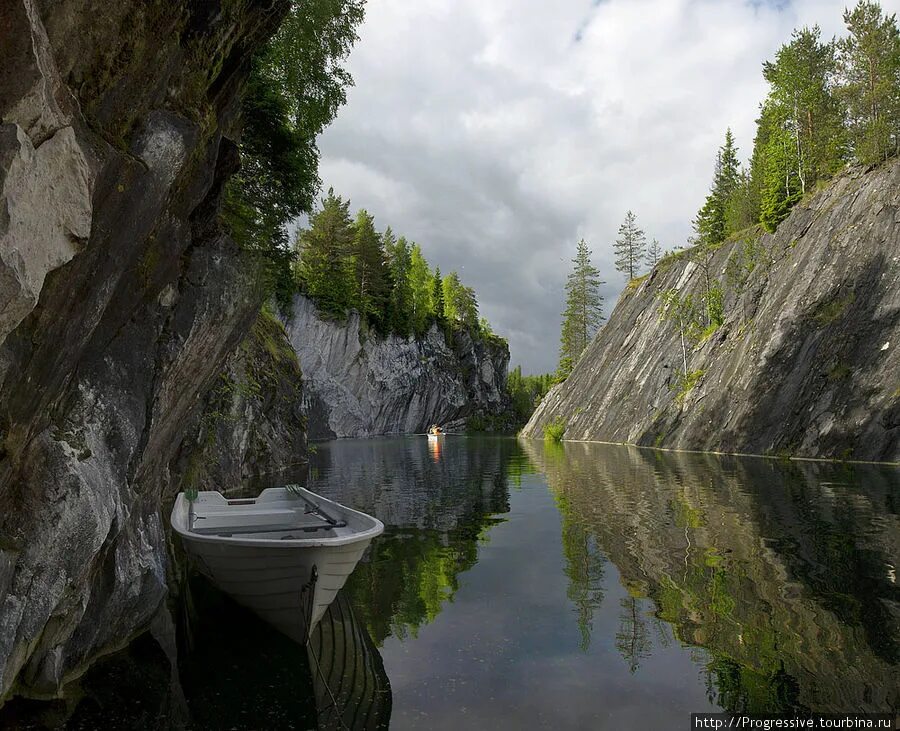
[(654, 253), (802, 104), (324, 248), (870, 70), (584, 309), (629, 247)]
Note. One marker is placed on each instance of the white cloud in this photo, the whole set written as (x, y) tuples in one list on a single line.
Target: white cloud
[(496, 134)]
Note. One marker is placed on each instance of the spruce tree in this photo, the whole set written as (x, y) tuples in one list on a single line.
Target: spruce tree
[(437, 296), (324, 249), (584, 309), (629, 246), (781, 186), (654, 253), (710, 225), (420, 290), (372, 277), (398, 255)]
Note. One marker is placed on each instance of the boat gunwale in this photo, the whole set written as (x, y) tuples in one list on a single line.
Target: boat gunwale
[(181, 508)]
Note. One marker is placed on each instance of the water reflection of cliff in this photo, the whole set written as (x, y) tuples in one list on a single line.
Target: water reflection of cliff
[(436, 509), (784, 572)]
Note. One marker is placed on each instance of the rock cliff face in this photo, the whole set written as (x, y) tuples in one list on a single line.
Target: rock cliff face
[(120, 301), (807, 361), (362, 386), (251, 426)]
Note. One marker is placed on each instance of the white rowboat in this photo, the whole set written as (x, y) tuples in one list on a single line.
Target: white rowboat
[(284, 554), (435, 437)]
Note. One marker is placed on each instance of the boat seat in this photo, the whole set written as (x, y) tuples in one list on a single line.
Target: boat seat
[(243, 521)]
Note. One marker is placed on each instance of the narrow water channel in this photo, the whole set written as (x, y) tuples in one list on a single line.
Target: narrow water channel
[(525, 585)]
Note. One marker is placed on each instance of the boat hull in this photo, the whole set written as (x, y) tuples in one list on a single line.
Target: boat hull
[(273, 578)]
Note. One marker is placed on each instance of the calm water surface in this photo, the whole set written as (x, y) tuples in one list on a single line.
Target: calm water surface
[(522, 586)]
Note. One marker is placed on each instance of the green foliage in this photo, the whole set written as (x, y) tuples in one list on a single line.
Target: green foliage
[(870, 70), (346, 264), (682, 313), (838, 372), (371, 287), (295, 88), (781, 187), (714, 302), (437, 296), (325, 271), (630, 247), (710, 225), (400, 303), (420, 286), (526, 392), (827, 103), (584, 309), (460, 305), (826, 313), (685, 382), (654, 253), (555, 430), (745, 257), (802, 105)]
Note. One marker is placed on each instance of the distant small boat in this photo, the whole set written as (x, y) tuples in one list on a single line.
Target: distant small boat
[(435, 437), (284, 551)]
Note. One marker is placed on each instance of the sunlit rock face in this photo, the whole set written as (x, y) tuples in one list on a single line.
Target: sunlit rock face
[(361, 385), (120, 301), (805, 363)]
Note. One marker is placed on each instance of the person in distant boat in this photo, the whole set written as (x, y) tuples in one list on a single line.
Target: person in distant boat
[(435, 429)]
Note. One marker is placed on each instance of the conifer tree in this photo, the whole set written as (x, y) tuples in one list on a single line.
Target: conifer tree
[(324, 249), (372, 277), (584, 309), (460, 303), (743, 205), (802, 104), (710, 225), (654, 253), (870, 70), (420, 290), (451, 287), (398, 255), (437, 296), (629, 247)]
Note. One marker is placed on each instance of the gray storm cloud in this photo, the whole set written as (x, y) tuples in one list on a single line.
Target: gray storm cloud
[(497, 134)]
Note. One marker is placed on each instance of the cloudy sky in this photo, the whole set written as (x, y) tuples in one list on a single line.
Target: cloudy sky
[(496, 133)]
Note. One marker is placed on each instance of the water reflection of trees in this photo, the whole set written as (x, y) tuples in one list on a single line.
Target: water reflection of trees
[(436, 514), (781, 571)]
